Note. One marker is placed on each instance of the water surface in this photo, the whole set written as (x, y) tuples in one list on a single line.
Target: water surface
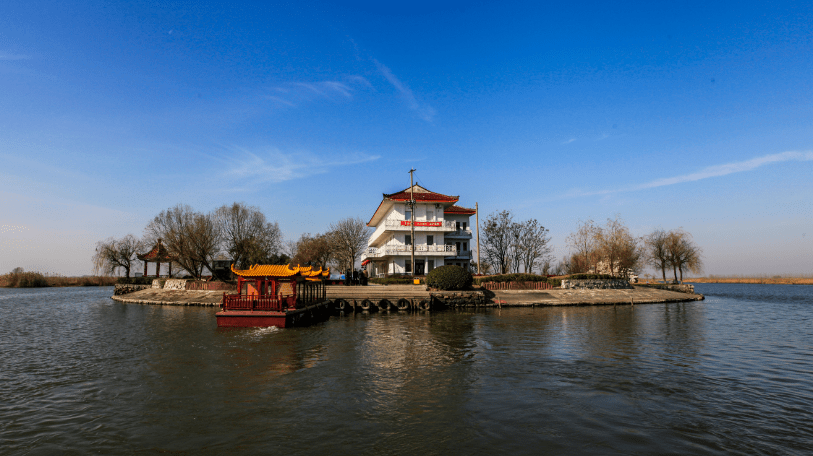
[(80, 373)]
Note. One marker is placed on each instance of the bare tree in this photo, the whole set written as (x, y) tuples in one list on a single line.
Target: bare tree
[(657, 252), (349, 239), (534, 246), (498, 239), (617, 248), (113, 254), (584, 246), (313, 250), (187, 237), (684, 254), (247, 236)]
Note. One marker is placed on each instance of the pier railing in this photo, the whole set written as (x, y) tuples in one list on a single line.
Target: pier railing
[(268, 303), (516, 286)]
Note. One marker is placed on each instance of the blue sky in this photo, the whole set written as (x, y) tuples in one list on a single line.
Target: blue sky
[(685, 115)]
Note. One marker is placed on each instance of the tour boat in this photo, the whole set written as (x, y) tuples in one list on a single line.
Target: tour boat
[(276, 295)]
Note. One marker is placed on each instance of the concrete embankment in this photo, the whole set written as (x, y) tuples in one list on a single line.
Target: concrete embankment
[(172, 297), (587, 297), (505, 298)]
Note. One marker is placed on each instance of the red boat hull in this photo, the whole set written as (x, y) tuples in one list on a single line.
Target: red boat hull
[(285, 319)]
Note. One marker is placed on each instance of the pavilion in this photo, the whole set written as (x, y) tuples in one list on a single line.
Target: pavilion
[(157, 255)]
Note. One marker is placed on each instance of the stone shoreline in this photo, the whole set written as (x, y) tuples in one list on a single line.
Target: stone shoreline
[(503, 298)]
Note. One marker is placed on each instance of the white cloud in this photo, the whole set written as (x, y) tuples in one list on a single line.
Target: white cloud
[(424, 111), (274, 166), (709, 172)]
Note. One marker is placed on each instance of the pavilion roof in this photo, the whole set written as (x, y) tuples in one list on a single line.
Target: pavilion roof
[(281, 271), (459, 210), (158, 253), (420, 194)]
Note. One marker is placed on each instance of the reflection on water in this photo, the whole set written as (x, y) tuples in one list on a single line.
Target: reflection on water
[(81, 373)]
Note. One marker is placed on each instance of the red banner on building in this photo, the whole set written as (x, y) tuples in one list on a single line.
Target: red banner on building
[(406, 223)]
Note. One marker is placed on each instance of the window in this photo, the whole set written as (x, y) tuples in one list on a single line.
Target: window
[(431, 265), (464, 225), (408, 239), (430, 240), (457, 226), (465, 246), (408, 215), (408, 266), (430, 215)]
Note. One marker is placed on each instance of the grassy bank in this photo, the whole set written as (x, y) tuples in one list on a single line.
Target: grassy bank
[(36, 279), (802, 280)]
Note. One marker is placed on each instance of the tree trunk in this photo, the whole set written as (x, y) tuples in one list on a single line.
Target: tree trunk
[(681, 275), (674, 270), (663, 272)]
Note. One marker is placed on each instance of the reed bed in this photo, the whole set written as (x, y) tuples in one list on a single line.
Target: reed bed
[(38, 279)]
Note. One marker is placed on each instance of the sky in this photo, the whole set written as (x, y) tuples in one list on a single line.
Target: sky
[(681, 115)]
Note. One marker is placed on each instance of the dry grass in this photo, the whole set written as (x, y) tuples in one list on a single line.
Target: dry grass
[(36, 279)]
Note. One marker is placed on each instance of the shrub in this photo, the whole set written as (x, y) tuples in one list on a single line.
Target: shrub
[(135, 280), (449, 277), (555, 283)]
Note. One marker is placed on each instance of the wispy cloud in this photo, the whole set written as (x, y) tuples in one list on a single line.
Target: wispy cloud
[(709, 172), (9, 56), (295, 94), (274, 166), (568, 141), (424, 111)]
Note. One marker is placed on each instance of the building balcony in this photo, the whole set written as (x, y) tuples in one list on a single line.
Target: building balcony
[(462, 255), (459, 234), (405, 250), (440, 226), (406, 225)]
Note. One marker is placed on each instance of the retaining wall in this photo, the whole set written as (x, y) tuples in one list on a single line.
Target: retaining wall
[(597, 284)]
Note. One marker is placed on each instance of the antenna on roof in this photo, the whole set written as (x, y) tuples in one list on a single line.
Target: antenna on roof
[(412, 214)]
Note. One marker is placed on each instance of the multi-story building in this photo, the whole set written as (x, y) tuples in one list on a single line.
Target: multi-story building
[(442, 233)]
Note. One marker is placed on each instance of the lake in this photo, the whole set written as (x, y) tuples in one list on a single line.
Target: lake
[(80, 373)]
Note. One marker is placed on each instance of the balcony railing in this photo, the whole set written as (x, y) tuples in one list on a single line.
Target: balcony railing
[(440, 250), (405, 225), (463, 233)]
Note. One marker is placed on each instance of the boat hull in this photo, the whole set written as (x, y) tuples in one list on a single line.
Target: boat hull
[(281, 319)]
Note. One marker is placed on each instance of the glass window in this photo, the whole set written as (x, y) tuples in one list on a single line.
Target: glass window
[(408, 239), (465, 246), (431, 265), (430, 215), (408, 266), (408, 215), (464, 225), (430, 240), (457, 226)]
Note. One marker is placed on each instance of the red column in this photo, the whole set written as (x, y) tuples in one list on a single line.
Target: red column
[(145, 268)]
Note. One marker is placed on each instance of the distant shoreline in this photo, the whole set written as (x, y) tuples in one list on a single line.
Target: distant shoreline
[(754, 280)]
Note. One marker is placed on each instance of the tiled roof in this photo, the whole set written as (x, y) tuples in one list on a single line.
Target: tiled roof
[(158, 253), (421, 194), (277, 270), (459, 210)]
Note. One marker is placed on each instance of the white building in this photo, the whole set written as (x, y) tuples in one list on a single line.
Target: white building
[(442, 234)]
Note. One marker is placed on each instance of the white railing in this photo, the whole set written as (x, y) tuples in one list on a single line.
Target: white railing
[(441, 225), (466, 232), (444, 250)]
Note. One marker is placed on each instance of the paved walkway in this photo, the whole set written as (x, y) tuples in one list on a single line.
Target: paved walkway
[(555, 297)]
